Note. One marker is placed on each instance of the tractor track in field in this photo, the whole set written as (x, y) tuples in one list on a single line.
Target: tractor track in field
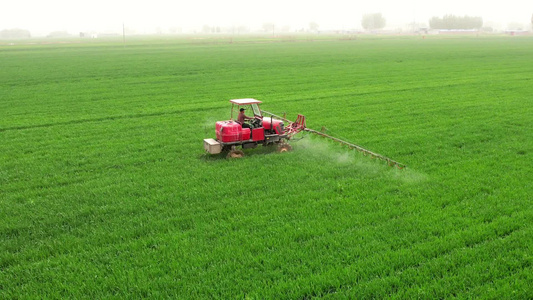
[(109, 118)]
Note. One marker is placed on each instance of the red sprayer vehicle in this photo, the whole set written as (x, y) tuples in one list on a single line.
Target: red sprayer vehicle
[(266, 130), (230, 134)]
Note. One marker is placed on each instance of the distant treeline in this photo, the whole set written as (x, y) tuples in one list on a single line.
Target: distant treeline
[(15, 33), (456, 22)]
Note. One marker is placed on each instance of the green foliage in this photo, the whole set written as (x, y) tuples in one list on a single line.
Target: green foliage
[(59, 34), (373, 21), (15, 33), (313, 26), (456, 22), (105, 191)]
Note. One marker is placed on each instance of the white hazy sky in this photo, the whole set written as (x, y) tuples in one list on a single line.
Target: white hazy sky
[(44, 16)]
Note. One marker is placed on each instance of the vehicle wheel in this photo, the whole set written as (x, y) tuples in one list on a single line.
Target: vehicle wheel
[(284, 148), (235, 154)]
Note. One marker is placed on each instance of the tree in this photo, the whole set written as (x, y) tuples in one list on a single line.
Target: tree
[(267, 27), (206, 29), (515, 26), (242, 29), (14, 33), (373, 21), (59, 34), (313, 26), (455, 22)]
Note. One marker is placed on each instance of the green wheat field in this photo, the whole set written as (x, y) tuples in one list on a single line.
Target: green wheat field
[(106, 192)]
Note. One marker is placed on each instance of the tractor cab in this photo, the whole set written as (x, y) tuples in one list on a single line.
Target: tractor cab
[(250, 106)]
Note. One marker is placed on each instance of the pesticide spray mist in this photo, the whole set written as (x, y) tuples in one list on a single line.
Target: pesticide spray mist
[(342, 156)]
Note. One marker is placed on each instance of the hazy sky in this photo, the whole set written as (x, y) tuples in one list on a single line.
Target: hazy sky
[(44, 16)]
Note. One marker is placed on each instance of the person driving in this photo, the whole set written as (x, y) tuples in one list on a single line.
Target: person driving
[(242, 117)]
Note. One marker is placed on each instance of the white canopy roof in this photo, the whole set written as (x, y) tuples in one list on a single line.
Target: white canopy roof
[(245, 101)]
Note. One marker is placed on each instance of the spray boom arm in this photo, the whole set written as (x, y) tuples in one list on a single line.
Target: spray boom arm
[(299, 125)]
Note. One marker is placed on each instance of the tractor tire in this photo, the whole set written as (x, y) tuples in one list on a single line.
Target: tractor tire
[(284, 148), (235, 154)]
